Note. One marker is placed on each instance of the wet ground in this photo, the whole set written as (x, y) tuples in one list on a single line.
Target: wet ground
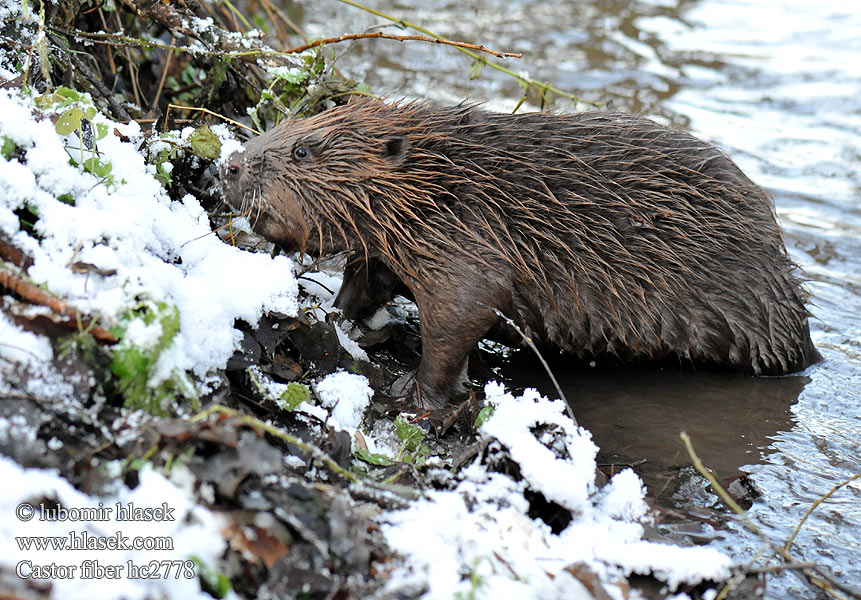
[(777, 86)]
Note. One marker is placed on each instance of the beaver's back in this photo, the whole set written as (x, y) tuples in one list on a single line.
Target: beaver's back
[(627, 238)]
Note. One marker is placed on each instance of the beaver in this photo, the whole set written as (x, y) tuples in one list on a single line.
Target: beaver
[(602, 234)]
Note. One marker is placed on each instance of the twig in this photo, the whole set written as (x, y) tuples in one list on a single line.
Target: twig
[(163, 77), (18, 349), (279, 28), (13, 254), (206, 111), (788, 544), (237, 14), (133, 68), (32, 293), (397, 495), (401, 38), (279, 433), (314, 281), (94, 81), (268, 5), (814, 575), (779, 568), (542, 87), (163, 13), (534, 348), (229, 225), (111, 63), (118, 39)]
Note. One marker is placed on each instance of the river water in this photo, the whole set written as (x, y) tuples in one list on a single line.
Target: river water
[(777, 85)]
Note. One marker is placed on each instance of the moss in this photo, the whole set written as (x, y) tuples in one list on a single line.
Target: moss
[(294, 395)]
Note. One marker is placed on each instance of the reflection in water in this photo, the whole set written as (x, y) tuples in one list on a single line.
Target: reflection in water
[(638, 413), (776, 85)]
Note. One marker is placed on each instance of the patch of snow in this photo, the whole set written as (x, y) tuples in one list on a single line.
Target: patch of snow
[(144, 336), (379, 319), (350, 345), (571, 481), (22, 347), (383, 439), (347, 395), (489, 541), (229, 144), (27, 358), (325, 283)]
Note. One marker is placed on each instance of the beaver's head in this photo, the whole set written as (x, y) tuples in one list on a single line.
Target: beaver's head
[(316, 183)]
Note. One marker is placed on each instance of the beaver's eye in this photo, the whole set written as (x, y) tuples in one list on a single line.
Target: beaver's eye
[(301, 153)]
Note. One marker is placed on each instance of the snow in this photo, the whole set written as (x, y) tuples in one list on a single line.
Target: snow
[(194, 531), (487, 532), (350, 345), (343, 398), (347, 395), (570, 482), (28, 349), (229, 144), (26, 358)]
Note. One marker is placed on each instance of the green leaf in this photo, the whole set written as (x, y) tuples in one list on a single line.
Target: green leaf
[(410, 435), (169, 324), (187, 75), (204, 143), (422, 455), (295, 77), (379, 460), (46, 101), (133, 365), (138, 463), (67, 199), (69, 121), (294, 395), (97, 167), (218, 73), (101, 131), (129, 363), (219, 583), (65, 92), (164, 177), (523, 82), (483, 415), (60, 97), (255, 118), (8, 148)]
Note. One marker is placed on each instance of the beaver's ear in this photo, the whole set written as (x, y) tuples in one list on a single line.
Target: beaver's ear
[(396, 148)]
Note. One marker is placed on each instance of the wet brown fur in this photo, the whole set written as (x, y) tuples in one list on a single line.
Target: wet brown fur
[(599, 233)]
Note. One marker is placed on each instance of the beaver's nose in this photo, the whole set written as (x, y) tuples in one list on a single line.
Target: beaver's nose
[(231, 170)]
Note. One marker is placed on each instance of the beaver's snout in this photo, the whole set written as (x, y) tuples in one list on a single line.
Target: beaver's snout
[(232, 168), (233, 173)]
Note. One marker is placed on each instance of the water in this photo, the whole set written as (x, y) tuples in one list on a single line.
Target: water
[(778, 86)]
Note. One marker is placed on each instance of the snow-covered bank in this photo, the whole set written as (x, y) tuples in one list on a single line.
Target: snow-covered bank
[(478, 538), (138, 245)]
